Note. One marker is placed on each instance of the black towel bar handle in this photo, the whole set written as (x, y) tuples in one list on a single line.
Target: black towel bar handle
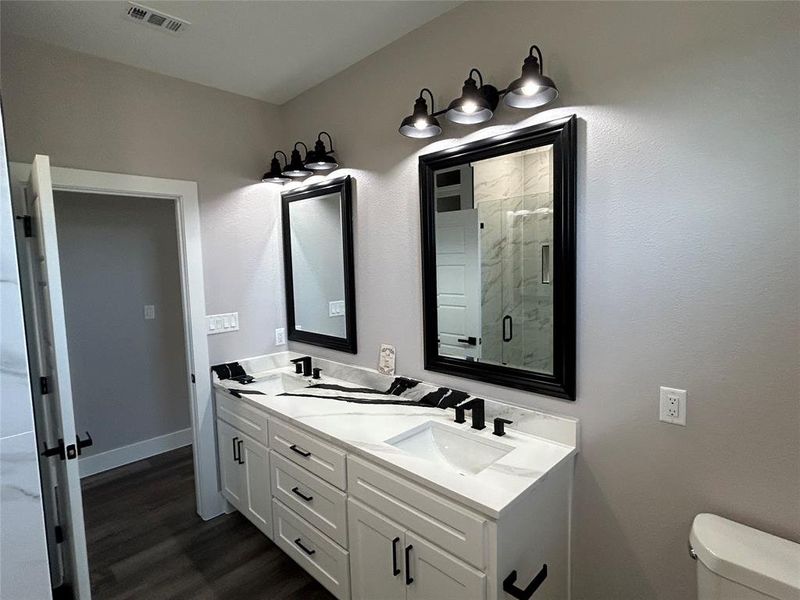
[(512, 590)]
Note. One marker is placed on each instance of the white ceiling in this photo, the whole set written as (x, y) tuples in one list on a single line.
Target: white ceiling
[(270, 50)]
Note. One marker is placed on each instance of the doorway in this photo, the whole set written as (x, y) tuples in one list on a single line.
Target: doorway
[(34, 187)]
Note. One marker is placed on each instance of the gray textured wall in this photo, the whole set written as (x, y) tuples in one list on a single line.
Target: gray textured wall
[(688, 252), (89, 113), (117, 254)]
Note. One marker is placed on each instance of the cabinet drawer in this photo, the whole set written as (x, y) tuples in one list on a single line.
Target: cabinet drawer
[(455, 529), (317, 501), (322, 459), (245, 418), (315, 552)]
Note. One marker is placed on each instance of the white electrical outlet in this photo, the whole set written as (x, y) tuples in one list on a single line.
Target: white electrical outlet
[(336, 308), (672, 406), (222, 323), (149, 311), (280, 336)]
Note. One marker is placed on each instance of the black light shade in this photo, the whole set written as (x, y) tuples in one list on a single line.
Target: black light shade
[(420, 124), (533, 88), (320, 159), (275, 173), (296, 168), (474, 105)]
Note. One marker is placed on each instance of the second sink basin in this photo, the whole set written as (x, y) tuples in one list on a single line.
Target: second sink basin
[(460, 451)]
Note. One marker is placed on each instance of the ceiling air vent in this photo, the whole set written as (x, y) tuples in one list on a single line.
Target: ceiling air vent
[(159, 20)]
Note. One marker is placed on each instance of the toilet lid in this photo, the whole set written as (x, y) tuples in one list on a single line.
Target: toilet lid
[(758, 560)]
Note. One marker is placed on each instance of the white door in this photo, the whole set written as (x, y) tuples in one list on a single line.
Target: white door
[(50, 359), (437, 575), (458, 283), (376, 555), (257, 497), (229, 442)]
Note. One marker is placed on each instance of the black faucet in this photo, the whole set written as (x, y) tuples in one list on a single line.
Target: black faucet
[(499, 425), (476, 406), (305, 362)]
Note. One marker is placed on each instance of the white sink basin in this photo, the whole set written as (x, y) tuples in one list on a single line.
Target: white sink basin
[(460, 451), (277, 384)]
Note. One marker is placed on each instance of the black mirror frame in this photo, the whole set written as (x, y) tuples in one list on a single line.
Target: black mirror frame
[(343, 187), (562, 134)]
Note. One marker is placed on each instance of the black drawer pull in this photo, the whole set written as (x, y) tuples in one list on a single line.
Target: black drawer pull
[(300, 451), (470, 341), (409, 578), (241, 456), (512, 590), (395, 570), (303, 548), (235, 447), (296, 491)]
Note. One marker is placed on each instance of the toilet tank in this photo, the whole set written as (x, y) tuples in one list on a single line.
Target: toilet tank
[(736, 562)]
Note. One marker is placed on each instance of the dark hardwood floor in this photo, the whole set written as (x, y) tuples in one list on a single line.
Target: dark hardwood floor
[(146, 541)]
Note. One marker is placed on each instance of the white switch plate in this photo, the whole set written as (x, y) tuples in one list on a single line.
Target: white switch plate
[(280, 336), (336, 308), (222, 323), (149, 311), (672, 406)]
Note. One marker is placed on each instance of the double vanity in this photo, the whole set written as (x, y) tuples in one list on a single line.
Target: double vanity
[(379, 493)]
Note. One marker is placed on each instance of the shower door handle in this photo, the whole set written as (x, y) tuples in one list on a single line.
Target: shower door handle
[(508, 328)]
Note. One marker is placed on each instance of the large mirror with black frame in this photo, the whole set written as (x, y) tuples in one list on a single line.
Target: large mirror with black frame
[(498, 258), (318, 264)]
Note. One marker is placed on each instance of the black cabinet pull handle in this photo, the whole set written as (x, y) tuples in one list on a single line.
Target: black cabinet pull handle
[(300, 451), (235, 448), (512, 590), (470, 341), (303, 548), (296, 491), (409, 578), (507, 337), (241, 456), (395, 570)]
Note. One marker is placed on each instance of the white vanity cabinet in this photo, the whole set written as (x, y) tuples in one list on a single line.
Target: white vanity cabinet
[(244, 462), (389, 561), (368, 532)]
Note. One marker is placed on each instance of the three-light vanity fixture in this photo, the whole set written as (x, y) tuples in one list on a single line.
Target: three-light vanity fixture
[(317, 160), (479, 100)]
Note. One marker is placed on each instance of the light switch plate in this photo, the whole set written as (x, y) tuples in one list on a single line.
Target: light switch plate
[(222, 323), (336, 308), (149, 312), (280, 336), (672, 406)]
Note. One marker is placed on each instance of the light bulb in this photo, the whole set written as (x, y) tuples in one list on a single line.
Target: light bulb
[(529, 88), (421, 123), (469, 107)]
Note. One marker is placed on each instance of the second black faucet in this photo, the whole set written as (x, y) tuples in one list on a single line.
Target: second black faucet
[(303, 365)]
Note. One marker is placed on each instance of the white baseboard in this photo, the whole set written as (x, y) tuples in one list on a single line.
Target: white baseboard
[(111, 459)]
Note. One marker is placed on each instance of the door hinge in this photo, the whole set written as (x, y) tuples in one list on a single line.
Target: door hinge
[(27, 225), (59, 534), (44, 386)]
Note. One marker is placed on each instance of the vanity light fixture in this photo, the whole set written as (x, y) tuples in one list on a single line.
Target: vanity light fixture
[(475, 105), (320, 159), (478, 100), (420, 124), (533, 88), (275, 173), (296, 169)]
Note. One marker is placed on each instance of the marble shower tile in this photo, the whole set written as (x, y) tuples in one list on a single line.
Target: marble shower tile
[(24, 570)]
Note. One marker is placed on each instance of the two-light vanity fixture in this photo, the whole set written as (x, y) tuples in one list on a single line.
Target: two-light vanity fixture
[(478, 101), (317, 160)]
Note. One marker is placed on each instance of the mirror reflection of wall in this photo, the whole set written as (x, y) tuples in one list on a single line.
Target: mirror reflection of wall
[(494, 236), (318, 264)]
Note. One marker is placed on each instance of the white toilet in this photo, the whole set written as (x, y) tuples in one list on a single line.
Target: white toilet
[(736, 562)]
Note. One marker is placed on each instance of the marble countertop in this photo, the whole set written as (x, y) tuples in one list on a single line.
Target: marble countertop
[(362, 430)]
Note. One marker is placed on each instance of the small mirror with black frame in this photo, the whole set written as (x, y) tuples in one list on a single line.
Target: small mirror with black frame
[(498, 259), (318, 265)]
